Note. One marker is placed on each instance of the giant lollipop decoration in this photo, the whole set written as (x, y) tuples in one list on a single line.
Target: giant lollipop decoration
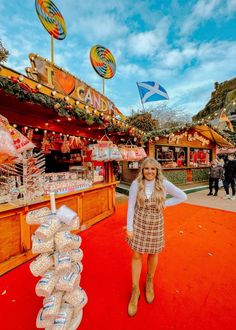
[(52, 20), (103, 62)]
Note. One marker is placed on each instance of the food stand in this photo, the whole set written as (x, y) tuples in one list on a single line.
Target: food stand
[(184, 154), (62, 116)]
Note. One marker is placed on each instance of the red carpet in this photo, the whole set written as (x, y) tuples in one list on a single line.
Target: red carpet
[(195, 282)]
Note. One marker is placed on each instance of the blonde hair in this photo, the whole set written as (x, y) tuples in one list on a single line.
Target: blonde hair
[(158, 192)]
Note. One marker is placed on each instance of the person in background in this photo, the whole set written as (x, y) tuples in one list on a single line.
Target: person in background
[(230, 177), (216, 173), (221, 162), (145, 224)]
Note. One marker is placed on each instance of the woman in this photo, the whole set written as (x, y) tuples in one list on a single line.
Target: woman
[(215, 174), (145, 225)]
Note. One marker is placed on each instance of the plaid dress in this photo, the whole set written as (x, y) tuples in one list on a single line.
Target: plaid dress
[(148, 228)]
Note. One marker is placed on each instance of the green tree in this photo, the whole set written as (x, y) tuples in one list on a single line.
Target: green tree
[(162, 117), (3, 53), (143, 121)]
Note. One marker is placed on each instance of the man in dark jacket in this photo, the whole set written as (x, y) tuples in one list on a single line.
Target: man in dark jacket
[(230, 177)]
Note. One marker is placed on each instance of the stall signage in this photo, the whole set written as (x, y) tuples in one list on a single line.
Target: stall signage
[(50, 75), (196, 136), (175, 138)]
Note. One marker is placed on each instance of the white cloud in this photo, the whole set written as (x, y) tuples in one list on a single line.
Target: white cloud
[(194, 85), (230, 6), (130, 69), (149, 42), (202, 10), (205, 8)]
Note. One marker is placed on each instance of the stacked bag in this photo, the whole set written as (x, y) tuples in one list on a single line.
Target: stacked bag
[(132, 153), (105, 151), (59, 265)]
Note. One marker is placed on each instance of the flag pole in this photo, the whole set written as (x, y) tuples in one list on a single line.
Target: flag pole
[(142, 105), (140, 97)]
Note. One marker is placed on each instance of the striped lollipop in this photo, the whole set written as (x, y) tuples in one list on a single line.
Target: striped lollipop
[(103, 61), (51, 18)]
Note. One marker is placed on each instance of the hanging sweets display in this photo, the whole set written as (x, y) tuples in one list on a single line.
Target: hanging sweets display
[(60, 268)]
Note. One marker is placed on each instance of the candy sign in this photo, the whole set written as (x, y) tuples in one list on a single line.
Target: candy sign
[(61, 81)]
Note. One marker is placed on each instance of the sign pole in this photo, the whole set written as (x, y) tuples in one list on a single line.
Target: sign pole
[(52, 49), (103, 86)]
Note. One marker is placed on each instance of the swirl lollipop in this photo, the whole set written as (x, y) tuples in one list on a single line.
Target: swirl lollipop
[(103, 61), (51, 18)]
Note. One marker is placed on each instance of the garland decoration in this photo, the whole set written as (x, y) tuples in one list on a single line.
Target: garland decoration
[(229, 136), (24, 93)]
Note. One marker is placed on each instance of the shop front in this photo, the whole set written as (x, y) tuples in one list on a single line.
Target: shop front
[(185, 155), (64, 121)]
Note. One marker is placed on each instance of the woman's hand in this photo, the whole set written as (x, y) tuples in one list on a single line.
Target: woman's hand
[(129, 234)]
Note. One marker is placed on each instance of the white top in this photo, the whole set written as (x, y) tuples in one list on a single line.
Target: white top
[(178, 197)]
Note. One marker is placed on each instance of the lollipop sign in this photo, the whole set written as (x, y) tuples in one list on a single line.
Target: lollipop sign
[(52, 20), (103, 61)]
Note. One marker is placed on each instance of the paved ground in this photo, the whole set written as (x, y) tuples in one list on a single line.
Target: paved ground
[(217, 202), (201, 198)]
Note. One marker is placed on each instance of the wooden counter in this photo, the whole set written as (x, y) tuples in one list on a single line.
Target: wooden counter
[(92, 205)]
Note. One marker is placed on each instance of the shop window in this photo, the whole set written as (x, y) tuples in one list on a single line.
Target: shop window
[(172, 157), (200, 157), (99, 172)]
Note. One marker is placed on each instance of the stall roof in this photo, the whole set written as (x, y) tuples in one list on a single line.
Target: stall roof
[(25, 102), (212, 135)]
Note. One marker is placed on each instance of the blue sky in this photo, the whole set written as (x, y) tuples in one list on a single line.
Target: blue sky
[(184, 45)]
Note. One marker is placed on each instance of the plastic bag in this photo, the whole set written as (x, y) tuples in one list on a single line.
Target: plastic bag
[(78, 298), (52, 304), (42, 246), (41, 264), (46, 284), (62, 262), (68, 281)]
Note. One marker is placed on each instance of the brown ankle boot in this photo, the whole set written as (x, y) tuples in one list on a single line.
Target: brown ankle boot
[(133, 303), (149, 289)]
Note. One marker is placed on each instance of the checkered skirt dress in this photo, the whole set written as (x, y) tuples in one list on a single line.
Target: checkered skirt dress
[(148, 229)]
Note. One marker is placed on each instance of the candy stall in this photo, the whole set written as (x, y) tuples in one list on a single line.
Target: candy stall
[(73, 132), (184, 153)]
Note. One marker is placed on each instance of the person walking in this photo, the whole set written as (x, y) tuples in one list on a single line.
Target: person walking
[(145, 224), (216, 173), (230, 177)]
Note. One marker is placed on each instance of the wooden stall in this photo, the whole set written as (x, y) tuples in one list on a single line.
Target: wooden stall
[(53, 105), (184, 155), (92, 205)]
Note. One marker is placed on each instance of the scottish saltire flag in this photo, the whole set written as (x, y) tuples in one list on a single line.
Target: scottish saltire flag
[(151, 91)]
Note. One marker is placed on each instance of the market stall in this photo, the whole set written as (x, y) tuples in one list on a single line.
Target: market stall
[(64, 118), (184, 154)]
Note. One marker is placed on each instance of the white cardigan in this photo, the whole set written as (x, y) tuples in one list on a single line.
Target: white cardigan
[(178, 197)]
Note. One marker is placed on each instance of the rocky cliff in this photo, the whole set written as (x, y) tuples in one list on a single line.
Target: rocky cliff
[(223, 96)]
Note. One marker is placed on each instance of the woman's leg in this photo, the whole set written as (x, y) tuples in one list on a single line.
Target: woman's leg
[(136, 266), (152, 262)]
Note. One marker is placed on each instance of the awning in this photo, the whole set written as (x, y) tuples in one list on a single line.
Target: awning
[(225, 151), (212, 135)]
